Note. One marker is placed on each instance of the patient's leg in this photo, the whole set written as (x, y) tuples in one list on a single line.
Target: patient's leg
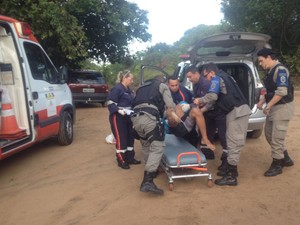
[(197, 115)]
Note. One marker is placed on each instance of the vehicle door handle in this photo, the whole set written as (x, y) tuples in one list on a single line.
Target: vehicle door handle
[(35, 95)]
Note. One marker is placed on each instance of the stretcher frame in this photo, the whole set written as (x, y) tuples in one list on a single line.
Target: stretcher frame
[(183, 160)]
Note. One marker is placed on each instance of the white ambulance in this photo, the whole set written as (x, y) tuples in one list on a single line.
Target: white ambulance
[(36, 103)]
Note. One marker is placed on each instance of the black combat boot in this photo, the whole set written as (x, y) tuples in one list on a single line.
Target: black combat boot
[(148, 185), (121, 162), (229, 178), (287, 161), (130, 158), (275, 168), (224, 163), (223, 168)]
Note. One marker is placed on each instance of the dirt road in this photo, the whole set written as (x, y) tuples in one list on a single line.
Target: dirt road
[(80, 184)]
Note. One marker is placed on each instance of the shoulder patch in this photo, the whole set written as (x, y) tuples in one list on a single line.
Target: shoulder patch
[(282, 79), (214, 85)]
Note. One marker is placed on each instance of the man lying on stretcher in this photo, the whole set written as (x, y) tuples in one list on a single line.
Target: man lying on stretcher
[(189, 117)]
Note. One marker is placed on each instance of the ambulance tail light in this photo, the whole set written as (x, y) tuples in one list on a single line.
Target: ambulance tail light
[(184, 57), (26, 30), (263, 91), (23, 29), (260, 93)]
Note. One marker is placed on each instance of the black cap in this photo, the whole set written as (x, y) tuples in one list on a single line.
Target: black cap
[(265, 52)]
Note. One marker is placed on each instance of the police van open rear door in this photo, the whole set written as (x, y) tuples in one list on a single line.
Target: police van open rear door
[(149, 72)]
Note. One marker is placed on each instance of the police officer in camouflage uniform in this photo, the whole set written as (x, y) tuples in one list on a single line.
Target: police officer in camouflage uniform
[(214, 117), (227, 96), (149, 105), (279, 109)]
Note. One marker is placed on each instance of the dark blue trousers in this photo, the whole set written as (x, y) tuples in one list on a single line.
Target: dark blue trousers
[(121, 127), (216, 121)]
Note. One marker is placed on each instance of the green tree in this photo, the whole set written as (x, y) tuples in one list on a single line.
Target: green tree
[(158, 55), (55, 28), (168, 56), (194, 34), (73, 30), (110, 25), (278, 18)]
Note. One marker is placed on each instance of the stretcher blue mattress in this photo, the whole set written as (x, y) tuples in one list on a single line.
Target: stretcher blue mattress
[(175, 146)]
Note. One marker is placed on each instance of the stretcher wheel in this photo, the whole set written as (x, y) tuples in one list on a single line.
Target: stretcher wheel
[(210, 183), (171, 186)]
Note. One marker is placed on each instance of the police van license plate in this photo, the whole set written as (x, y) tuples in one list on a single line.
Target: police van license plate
[(88, 90)]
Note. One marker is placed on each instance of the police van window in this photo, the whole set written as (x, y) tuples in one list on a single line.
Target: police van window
[(40, 66)]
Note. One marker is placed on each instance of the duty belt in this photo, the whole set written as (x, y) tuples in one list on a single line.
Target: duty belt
[(137, 114), (142, 111)]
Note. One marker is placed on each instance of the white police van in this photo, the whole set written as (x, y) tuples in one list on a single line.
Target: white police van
[(235, 53), (36, 103)]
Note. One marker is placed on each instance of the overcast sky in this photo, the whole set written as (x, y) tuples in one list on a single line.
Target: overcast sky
[(169, 19)]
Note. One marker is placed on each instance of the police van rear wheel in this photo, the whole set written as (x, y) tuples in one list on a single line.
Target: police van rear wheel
[(254, 133), (65, 134)]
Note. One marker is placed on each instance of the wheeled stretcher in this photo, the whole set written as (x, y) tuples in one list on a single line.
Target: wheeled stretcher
[(183, 160)]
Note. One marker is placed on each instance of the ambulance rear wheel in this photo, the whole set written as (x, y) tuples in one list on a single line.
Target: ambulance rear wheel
[(65, 134)]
